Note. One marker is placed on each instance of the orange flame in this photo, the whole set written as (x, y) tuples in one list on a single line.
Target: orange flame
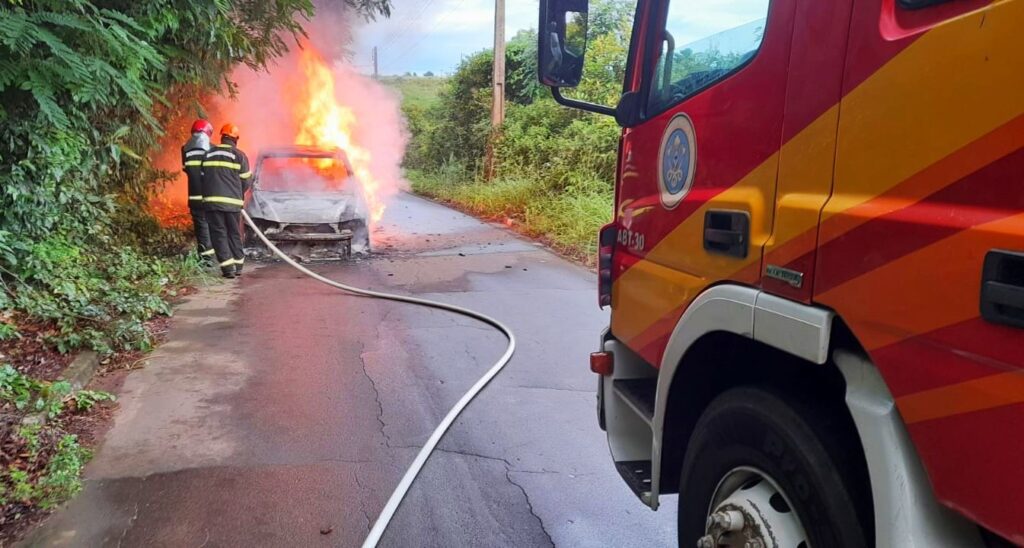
[(325, 123)]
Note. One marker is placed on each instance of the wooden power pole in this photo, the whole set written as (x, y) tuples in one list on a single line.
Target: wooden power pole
[(374, 62), (498, 104)]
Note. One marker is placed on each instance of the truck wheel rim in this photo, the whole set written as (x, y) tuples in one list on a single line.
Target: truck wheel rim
[(750, 510)]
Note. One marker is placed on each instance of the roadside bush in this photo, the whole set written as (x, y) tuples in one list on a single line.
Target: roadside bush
[(97, 298), (40, 464), (567, 218), (560, 145)]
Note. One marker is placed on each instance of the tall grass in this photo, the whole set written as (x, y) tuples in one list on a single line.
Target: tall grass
[(568, 219)]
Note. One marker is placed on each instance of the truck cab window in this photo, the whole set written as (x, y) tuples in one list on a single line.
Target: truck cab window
[(703, 43)]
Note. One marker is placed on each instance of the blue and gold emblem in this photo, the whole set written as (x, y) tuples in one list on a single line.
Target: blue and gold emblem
[(677, 161)]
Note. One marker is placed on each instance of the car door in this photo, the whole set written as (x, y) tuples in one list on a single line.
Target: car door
[(697, 182)]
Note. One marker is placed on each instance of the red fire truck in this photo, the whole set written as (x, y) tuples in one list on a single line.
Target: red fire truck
[(815, 268)]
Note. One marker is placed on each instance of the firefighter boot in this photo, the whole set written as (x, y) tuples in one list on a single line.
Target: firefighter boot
[(238, 266), (207, 258), (228, 271)]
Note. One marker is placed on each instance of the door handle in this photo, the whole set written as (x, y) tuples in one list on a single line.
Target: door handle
[(1002, 288), (727, 232), (723, 237)]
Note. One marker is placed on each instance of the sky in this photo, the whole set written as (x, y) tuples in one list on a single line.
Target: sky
[(434, 35)]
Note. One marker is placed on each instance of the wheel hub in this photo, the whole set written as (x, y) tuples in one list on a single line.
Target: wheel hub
[(750, 510)]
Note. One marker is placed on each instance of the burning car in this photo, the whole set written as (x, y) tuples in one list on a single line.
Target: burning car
[(307, 201)]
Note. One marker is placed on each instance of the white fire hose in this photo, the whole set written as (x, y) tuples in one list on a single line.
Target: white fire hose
[(384, 519)]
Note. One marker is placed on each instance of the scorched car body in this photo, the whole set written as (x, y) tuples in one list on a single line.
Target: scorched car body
[(307, 201)]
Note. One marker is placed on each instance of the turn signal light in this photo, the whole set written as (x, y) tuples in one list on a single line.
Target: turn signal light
[(602, 363)]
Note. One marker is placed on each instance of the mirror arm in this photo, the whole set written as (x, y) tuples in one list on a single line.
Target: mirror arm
[(582, 105)]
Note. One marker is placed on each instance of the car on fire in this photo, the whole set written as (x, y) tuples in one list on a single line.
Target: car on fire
[(308, 202)]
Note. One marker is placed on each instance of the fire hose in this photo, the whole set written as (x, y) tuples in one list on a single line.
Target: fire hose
[(398, 495)]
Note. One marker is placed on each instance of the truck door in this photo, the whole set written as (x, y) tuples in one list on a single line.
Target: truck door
[(921, 247), (697, 186)]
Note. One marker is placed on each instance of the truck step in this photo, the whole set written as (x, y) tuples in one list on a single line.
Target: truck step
[(638, 394), (637, 474)]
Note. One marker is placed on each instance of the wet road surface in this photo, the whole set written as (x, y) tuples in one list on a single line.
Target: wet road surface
[(282, 412)]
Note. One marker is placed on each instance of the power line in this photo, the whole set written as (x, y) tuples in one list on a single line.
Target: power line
[(429, 32), (399, 34)]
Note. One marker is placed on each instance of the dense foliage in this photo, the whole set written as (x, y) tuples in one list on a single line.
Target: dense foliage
[(86, 87), (551, 167)]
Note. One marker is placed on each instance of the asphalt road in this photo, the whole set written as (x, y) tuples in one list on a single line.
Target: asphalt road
[(282, 412)]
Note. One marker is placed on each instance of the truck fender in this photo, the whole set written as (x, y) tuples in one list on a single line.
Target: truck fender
[(796, 328), (905, 508)]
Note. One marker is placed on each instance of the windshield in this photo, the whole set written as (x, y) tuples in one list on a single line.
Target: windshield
[(291, 173)]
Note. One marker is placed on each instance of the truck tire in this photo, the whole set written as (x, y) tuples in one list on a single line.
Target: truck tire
[(761, 472)]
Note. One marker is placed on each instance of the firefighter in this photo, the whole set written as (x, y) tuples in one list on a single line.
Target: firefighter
[(192, 155), (226, 178)]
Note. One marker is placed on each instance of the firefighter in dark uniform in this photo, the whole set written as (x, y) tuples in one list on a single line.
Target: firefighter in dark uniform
[(192, 155), (226, 178)]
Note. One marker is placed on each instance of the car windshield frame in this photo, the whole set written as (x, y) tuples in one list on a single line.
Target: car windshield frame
[(337, 156)]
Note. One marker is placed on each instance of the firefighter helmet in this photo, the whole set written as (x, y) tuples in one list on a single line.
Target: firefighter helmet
[(203, 126), (229, 130)]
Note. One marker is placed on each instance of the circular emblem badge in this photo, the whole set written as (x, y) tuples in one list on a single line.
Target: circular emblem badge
[(677, 162)]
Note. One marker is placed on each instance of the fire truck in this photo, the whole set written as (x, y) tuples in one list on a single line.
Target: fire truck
[(815, 267)]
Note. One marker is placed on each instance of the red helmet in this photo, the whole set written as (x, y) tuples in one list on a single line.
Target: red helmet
[(203, 126)]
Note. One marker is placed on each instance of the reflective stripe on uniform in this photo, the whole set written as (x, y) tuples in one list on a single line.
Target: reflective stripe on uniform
[(208, 252), (192, 198), (193, 163), (223, 146), (228, 262), (239, 261), (245, 175), (231, 165), (225, 153), (196, 152), (223, 200)]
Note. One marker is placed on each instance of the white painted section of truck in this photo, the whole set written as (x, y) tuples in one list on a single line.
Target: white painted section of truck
[(907, 513), (727, 308), (629, 435), (796, 328)]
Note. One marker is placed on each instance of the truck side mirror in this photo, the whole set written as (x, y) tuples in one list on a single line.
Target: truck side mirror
[(562, 42)]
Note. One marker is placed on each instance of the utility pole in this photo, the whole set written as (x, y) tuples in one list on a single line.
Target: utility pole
[(375, 62), (498, 104)]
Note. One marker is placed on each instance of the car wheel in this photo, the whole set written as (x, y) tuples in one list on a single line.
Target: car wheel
[(760, 473)]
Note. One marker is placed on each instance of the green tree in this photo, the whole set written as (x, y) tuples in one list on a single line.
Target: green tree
[(521, 85)]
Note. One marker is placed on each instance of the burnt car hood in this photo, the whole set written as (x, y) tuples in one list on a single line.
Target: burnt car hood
[(305, 207)]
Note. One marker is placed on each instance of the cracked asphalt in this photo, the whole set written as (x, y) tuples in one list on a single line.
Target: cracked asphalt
[(281, 412)]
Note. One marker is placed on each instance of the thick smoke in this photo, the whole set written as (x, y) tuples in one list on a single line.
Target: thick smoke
[(269, 103)]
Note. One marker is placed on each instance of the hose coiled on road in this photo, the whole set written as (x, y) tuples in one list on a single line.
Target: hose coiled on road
[(398, 495)]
